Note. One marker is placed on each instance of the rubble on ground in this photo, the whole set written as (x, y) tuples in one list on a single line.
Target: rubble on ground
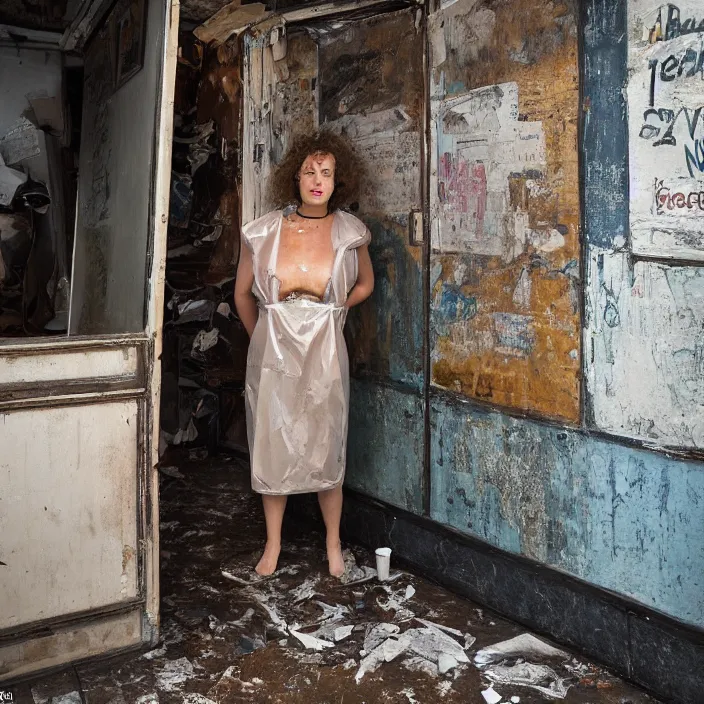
[(303, 637)]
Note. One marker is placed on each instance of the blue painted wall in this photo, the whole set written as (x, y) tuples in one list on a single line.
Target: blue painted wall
[(605, 126), (386, 331), (386, 334), (624, 519), (385, 444)]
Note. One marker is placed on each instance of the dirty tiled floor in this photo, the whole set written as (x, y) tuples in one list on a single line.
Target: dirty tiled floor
[(229, 642)]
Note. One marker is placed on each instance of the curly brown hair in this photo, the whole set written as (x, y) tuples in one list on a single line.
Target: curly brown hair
[(283, 183)]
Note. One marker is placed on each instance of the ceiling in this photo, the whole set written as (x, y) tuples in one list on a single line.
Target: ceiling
[(56, 15), (201, 10), (47, 15)]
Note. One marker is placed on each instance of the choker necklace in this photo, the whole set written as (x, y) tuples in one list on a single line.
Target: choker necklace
[(311, 217)]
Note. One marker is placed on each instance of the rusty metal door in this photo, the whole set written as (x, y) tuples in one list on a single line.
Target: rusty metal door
[(364, 76), (78, 414)]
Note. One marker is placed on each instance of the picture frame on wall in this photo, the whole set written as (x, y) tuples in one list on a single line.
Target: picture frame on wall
[(129, 37)]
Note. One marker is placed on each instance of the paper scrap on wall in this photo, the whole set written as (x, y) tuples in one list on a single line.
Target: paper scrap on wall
[(481, 145), (666, 127)]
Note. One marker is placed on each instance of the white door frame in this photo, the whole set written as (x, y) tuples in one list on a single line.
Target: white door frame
[(62, 375)]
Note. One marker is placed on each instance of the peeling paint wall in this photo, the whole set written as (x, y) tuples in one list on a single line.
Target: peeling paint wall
[(371, 90), (505, 205), (517, 202), (627, 520), (280, 101), (295, 102), (646, 331), (645, 318), (371, 77), (621, 517), (385, 444)]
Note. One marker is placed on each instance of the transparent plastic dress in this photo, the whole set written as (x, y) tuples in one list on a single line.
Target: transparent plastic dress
[(297, 382)]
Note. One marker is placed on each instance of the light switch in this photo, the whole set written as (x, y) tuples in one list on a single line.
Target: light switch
[(415, 224)]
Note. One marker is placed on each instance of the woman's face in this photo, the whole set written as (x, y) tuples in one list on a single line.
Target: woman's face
[(316, 179)]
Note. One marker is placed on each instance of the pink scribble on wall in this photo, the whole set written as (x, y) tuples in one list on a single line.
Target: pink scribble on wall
[(477, 193), (444, 177), (462, 186)]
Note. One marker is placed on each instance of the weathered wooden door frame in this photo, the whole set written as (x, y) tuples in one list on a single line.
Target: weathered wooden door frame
[(55, 642), (421, 236)]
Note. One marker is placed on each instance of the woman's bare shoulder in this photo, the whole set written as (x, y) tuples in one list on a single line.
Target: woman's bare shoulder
[(262, 225)]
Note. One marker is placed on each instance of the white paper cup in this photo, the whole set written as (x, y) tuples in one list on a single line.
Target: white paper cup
[(383, 561)]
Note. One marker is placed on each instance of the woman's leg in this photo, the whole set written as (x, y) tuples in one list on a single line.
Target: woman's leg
[(331, 506), (274, 507)]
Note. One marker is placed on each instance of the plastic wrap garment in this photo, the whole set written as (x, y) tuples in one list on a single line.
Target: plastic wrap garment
[(297, 382)]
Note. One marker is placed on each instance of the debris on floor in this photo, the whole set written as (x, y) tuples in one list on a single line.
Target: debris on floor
[(491, 696), (525, 645), (525, 674), (205, 344), (303, 637)]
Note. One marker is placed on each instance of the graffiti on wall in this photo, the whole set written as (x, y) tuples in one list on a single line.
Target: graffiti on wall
[(666, 109), (644, 319), (644, 330), (505, 205)]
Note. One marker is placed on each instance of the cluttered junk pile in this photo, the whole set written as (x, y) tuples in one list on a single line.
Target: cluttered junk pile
[(204, 353), (38, 171)]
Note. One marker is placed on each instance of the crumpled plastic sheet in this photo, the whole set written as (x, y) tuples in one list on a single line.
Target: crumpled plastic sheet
[(195, 310), (495, 662), (204, 340), (541, 678), (526, 646)]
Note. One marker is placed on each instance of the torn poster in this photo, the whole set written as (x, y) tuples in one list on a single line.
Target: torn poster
[(665, 95), (20, 142), (388, 140), (481, 145)]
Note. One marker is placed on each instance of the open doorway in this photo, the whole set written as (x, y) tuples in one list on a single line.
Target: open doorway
[(82, 239), (77, 139), (358, 71), (41, 91)]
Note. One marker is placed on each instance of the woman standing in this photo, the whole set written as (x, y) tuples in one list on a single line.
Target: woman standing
[(300, 271)]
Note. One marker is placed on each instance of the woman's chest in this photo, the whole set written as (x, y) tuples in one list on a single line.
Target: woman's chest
[(304, 263)]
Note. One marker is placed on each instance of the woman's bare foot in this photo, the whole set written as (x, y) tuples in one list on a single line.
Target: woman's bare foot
[(267, 565), (336, 562)]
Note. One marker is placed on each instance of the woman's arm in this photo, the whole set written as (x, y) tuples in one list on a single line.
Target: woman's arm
[(245, 302), (365, 278)]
